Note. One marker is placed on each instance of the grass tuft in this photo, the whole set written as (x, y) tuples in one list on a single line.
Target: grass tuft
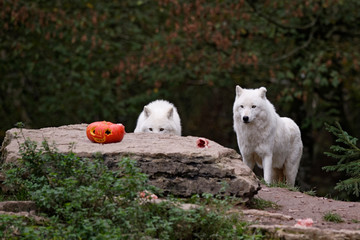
[(332, 217), (261, 204)]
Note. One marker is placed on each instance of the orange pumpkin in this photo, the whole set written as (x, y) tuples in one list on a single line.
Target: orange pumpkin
[(105, 132)]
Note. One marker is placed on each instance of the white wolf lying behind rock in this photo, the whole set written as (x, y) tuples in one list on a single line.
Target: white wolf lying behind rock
[(272, 142), (159, 116)]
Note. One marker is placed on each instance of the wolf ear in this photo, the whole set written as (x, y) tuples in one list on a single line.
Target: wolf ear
[(239, 90), (170, 113), (147, 112), (263, 92)]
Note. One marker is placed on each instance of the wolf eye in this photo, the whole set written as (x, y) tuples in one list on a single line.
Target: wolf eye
[(253, 106), (161, 129), (150, 129)]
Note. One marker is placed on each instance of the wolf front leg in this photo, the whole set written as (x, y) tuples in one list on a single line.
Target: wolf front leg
[(248, 159), (267, 168)]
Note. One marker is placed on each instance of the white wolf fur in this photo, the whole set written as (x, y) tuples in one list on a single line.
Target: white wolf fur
[(159, 116), (272, 142)]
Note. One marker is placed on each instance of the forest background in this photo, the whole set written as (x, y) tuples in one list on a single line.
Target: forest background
[(66, 62)]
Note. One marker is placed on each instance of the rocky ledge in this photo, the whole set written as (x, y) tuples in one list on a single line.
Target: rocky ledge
[(173, 163)]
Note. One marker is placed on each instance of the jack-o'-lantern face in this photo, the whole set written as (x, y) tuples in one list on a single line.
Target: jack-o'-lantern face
[(105, 132)]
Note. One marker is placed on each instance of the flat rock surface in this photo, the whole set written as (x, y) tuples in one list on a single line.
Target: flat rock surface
[(292, 205), (139, 143), (302, 206), (173, 163)]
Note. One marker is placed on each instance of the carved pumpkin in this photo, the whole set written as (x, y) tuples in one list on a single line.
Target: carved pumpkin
[(105, 132)]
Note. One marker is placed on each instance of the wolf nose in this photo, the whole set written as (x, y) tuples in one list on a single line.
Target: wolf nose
[(246, 119)]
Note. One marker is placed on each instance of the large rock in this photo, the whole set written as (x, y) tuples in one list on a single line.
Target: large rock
[(173, 163)]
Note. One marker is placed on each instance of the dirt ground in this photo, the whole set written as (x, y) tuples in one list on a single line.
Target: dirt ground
[(297, 205)]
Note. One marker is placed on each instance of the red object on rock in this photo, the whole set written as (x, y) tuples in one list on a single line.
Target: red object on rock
[(308, 222), (105, 132), (147, 195), (202, 143)]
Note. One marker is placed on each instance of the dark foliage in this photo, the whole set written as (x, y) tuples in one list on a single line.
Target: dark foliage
[(65, 62), (348, 155)]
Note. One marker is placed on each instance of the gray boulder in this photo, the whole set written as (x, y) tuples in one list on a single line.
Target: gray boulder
[(173, 163)]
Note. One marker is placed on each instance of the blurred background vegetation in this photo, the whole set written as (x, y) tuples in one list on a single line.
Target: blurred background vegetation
[(67, 62)]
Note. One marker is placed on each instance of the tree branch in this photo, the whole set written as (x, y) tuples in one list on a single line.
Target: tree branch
[(295, 50), (270, 20)]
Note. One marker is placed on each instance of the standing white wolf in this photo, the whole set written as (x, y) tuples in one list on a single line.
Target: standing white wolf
[(272, 142), (159, 116)]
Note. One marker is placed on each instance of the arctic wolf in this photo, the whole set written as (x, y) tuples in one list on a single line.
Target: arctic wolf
[(272, 142), (159, 116)]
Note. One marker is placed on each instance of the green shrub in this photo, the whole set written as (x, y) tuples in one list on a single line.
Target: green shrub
[(83, 199), (348, 156)]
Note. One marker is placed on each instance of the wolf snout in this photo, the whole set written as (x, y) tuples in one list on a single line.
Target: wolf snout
[(245, 119)]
